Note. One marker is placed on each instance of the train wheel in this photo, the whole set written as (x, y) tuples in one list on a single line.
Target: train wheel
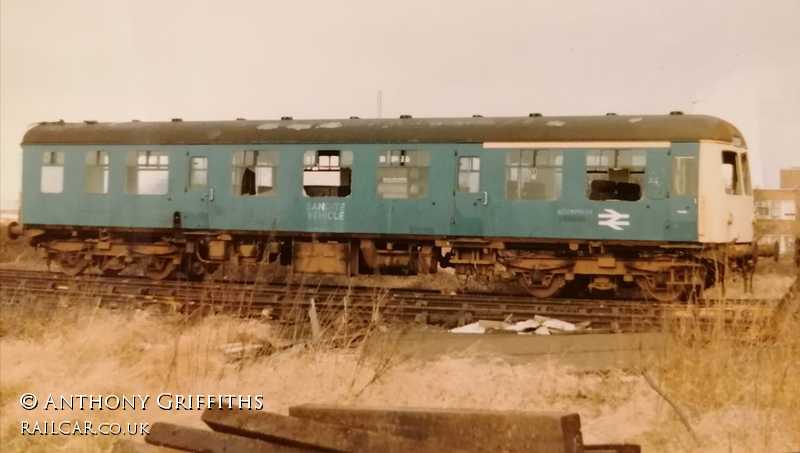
[(661, 293), (543, 291), (72, 264), (159, 268), (110, 266)]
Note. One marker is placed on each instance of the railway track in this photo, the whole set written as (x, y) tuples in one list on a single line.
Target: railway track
[(288, 301)]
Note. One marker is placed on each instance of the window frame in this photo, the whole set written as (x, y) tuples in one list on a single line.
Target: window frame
[(640, 172), (95, 160), (472, 170), (152, 163), (271, 161), (312, 163), (558, 172), (51, 159), (410, 160)]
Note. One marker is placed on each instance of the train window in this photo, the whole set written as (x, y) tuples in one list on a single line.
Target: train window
[(748, 190), (533, 175), (469, 174), (198, 173), (403, 174), (52, 180), (327, 173), (97, 172), (254, 172), (684, 176), (147, 173), (730, 173), (615, 174)]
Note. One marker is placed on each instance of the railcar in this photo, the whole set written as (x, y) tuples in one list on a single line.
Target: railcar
[(654, 201)]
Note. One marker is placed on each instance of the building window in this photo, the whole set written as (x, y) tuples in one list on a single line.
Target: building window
[(147, 173), (52, 172), (254, 172), (327, 173), (97, 172), (615, 174), (684, 176), (403, 174), (748, 190), (469, 174), (198, 173), (533, 175), (730, 173)]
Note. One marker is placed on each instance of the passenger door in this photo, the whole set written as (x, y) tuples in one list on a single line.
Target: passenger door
[(470, 195), (199, 193)]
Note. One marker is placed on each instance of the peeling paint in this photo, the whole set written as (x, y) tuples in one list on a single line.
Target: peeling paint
[(635, 120), (268, 126), (556, 123), (214, 133), (299, 127), (331, 125)]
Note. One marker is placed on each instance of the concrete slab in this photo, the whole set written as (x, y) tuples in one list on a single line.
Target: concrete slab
[(460, 429)]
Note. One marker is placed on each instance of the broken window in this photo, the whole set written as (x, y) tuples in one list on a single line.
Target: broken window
[(730, 173), (327, 173), (469, 174), (748, 190), (254, 172), (198, 173), (403, 174), (52, 178), (613, 174), (533, 174), (147, 173), (97, 172), (684, 176)]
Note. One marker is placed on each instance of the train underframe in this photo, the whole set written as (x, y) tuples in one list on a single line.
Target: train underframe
[(661, 271)]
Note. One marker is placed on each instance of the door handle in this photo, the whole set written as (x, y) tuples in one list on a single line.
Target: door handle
[(211, 194), (485, 198)]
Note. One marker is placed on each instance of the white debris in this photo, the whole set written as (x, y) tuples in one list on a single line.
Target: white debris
[(539, 325), (474, 327), (524, 326), (542, 331), (555, 324)]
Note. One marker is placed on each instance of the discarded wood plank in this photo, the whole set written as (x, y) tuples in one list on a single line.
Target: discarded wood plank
[(612, 448), (131, 446), (311, 434), (460, 429), (200, 440)]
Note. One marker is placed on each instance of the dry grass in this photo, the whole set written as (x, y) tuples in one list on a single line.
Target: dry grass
[(737, 390)]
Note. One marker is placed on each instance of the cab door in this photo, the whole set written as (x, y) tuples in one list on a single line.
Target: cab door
[(470, 197), (198, 193)]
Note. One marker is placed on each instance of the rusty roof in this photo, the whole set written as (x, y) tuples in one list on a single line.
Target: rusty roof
[(675, 128)]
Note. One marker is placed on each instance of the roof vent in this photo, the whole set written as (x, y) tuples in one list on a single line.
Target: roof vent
[(354, 118), (286, 118), (405, 117), (177, 120), (534, 115), (241, 119), (611, 114), (90, 121), (477, 116), (676, 112)]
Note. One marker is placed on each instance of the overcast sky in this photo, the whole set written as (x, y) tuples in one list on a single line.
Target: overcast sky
[(208, 60)]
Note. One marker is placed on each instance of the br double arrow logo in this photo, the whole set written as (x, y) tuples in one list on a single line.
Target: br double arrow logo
[(613, 219)]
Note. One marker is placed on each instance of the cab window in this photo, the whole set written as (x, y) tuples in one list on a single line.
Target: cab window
[(730, 173), (52, 180)]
